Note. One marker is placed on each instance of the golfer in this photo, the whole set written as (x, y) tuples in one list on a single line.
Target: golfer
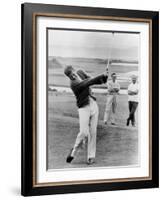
[(132, 100), (80, 84), (111, 103)]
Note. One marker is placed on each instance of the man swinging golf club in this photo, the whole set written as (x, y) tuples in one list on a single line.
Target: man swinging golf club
[(80, 84)]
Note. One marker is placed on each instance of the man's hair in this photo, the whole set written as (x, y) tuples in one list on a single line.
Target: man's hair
[(113, 74), (133, 76), (68, 69)]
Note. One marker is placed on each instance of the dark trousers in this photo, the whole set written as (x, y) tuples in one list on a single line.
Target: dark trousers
[(132, 108)]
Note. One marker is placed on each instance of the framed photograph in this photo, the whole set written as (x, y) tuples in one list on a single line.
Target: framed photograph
[(90, 110)]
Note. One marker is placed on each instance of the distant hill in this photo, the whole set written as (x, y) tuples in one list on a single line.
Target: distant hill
[(54, 63)]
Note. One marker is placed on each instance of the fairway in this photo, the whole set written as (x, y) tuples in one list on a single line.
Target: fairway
[(116, 145)]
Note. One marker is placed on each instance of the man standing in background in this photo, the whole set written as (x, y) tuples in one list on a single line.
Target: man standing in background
[(80, 84), (111, 103), (132, 100)]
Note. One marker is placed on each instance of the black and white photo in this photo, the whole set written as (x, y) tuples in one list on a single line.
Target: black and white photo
[(89, 73)]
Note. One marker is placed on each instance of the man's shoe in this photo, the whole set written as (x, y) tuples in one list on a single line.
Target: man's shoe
[(113, 123), (69, 157), (90, 161), (128, 122), (133, 124)]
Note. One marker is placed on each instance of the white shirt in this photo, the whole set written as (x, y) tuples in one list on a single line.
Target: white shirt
[(113, 85), (133, 88)]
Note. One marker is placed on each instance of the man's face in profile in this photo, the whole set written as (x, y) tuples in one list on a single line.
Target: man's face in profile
[(134, 80), (74, 76), (114, 78)]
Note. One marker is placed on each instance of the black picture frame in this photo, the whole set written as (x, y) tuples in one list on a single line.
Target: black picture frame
[(29, 12)]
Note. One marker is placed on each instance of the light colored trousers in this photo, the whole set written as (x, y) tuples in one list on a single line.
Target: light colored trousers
[(88, 119), (111, 105)]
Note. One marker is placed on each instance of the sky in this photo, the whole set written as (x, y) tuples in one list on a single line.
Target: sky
[(66, 43)]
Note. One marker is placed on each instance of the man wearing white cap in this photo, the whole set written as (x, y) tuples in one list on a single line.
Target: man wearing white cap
[(111, 103), (132, 100)]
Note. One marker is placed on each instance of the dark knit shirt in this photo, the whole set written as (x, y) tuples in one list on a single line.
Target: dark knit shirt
[(82, 90)]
